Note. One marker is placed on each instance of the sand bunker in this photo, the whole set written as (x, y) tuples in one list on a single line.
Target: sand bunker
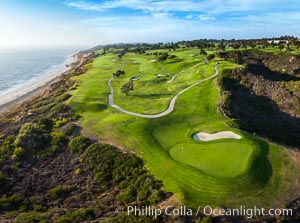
[(203, 136), (152, 61), (134, 78)]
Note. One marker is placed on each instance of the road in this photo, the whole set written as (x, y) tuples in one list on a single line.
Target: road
[(161, 114)]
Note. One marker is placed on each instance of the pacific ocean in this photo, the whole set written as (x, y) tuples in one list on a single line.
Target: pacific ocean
[(22, 67)]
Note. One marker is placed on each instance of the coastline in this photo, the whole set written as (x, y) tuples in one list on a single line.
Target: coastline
[(17, 96)]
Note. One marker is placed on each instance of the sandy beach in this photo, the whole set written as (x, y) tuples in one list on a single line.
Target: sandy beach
[(26, 92)]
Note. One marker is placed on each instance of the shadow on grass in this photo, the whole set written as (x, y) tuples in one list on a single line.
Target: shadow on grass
[(89, 107), (150, 96), (261, 169)]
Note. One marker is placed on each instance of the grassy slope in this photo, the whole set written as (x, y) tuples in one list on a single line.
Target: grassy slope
[(267, 179)]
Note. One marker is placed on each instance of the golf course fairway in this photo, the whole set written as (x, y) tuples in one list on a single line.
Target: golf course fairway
[(222, 172)]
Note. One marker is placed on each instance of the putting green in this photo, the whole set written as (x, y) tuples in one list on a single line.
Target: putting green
[(221, 159)]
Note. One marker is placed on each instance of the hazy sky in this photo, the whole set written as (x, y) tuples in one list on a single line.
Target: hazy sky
[(93, 22)]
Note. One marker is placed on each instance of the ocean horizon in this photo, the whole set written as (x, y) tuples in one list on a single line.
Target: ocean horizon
[(23, 67)]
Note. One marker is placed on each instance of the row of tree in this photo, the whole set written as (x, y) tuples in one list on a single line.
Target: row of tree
[(202, 44)]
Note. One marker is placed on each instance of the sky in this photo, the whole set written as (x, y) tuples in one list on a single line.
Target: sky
[(98, 22)]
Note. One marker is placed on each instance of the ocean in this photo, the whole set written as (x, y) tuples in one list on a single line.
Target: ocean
[(20, 68)]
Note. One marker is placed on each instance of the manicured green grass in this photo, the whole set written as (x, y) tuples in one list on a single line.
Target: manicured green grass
[(275, 49), (266, 172), (151, 88), (221, 159)]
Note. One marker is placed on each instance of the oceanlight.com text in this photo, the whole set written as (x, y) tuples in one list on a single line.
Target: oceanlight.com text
[(247, 212)]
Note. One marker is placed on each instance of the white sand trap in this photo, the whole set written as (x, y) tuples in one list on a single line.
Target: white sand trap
[(135, 78), (152, 61), (203, 136)]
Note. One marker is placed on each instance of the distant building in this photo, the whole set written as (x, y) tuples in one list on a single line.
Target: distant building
[(279, 41)]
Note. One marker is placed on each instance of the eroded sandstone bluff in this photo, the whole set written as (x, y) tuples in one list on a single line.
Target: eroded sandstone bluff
[(264, 96)]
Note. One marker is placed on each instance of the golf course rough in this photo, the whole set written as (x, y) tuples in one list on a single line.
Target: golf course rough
[(222, 172)]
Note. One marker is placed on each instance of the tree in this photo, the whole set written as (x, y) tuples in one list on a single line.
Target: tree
[(163, 57), (127, 87), (288, 49), (210, 57), (221, 46), (119, 73), (236, 46), (203, 52), (281, 47), (265, 44), (252, 44)]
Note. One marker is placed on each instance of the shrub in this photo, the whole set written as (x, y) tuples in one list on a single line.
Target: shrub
[(77, 171), (60, 122), (60, 192), (11, 203), (32, 137), (111, 166), (69, 128), (6, 148), (128, 195), (120, 218), (58, 143), (206, 220), (44, 108), (19, 154), (2, 179), (77, 216), (60, 110), (171, 56), (46, 123), (32, 217), (58, 139), (156, 196), (63, 97), (79, 143)]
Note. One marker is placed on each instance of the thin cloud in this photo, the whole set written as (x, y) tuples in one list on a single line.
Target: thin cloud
[(206, 18), (189, 16), (84, 6), (208, 6), (162, 6)]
